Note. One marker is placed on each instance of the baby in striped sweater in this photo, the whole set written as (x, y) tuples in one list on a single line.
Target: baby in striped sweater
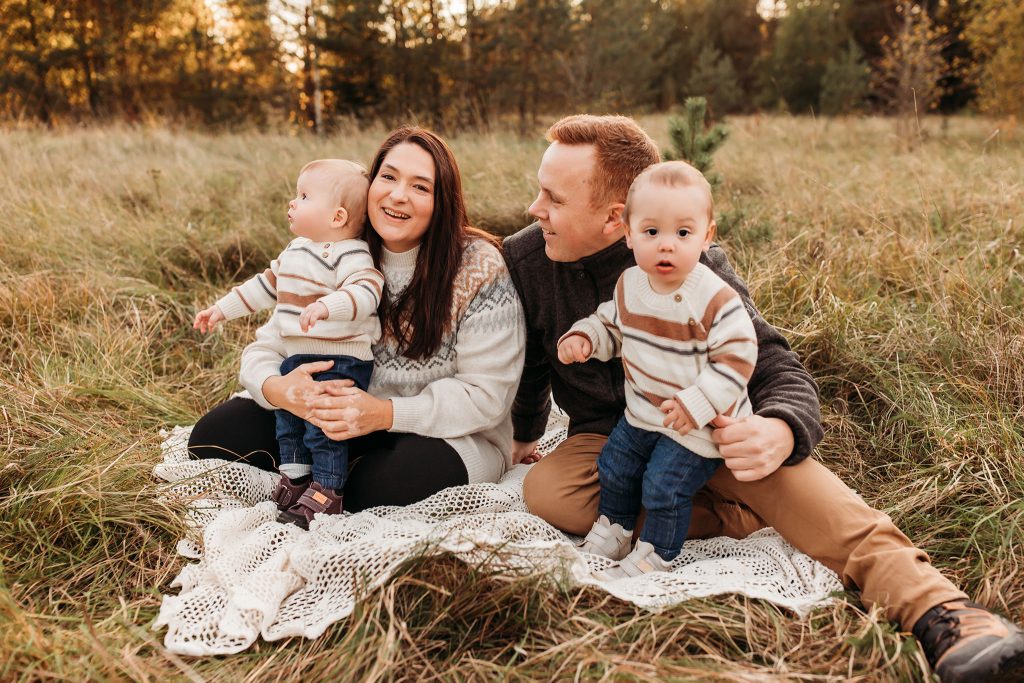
[(688, 348), (324, 290)]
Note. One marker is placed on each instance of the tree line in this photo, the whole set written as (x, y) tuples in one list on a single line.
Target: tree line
[(315, 63)]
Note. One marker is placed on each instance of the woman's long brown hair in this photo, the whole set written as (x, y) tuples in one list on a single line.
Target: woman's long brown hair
[(421, 315)]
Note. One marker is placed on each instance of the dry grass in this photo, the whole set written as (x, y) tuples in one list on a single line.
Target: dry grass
[(896, 274)]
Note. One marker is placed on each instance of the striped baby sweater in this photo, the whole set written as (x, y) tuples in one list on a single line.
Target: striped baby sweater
[(339, 274), (696, 343)]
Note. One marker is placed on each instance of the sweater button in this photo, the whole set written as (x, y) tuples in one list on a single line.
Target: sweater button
[(326, 254), (678, 297), (691, 322)]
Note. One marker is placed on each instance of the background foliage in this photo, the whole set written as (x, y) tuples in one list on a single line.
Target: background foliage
[(319, 63)]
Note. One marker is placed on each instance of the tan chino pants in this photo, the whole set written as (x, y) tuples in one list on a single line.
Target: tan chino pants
[(806, 503)]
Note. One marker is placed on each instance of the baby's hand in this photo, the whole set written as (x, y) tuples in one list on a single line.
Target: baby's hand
[(676, 416), (315, 311), (574, 349), (207, 319)]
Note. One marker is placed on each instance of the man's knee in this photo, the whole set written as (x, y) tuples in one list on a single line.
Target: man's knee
[(561, 503)]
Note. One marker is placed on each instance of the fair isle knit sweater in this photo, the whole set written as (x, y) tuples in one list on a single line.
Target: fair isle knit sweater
[(338, 274), (463, 393), (696, 344)]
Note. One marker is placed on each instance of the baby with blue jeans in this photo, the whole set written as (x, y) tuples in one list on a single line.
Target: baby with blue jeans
[(688, 348), (324, 290)]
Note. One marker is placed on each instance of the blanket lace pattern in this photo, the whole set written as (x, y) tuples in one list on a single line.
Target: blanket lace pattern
[(256, 578)]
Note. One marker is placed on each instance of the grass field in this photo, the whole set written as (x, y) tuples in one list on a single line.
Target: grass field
[(896, 274)]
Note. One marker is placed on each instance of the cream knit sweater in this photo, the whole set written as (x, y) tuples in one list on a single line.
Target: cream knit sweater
[(463, 393), (696, 344)]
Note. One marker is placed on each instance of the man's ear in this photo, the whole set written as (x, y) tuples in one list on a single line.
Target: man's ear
[(613, 220), (712, 232), (340, 217)]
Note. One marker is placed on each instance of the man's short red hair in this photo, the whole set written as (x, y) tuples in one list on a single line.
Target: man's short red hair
[(623, 151)]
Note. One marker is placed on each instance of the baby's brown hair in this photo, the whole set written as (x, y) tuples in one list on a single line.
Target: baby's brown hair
[(670, 174)]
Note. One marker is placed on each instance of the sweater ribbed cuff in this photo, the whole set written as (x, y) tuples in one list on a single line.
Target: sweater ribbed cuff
[(339, 306), (254, 385), (697, 405), (408, 413), (232, 307)]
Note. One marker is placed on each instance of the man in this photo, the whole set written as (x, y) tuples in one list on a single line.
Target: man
[(567, 263)]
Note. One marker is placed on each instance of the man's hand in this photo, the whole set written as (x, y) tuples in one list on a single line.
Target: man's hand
[(574, 349), (313, 312), (676, 416), (525, 452), (752, 447), (207, 319)]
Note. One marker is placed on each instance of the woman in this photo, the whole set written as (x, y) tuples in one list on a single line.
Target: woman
[(437, 413)]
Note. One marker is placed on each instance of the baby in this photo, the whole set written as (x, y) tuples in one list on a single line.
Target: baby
[(324, 290), (688, 348)]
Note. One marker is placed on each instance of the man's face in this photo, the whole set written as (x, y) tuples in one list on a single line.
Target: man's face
[(573, 228)]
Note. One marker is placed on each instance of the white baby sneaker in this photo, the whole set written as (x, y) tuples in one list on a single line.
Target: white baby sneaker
[(607, 540), (643, 560)]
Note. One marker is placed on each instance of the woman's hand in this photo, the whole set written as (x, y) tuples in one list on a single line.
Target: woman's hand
[(294, 391), (345, 411)]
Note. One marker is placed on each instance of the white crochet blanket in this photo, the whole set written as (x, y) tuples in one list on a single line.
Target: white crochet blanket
[(257, 578)]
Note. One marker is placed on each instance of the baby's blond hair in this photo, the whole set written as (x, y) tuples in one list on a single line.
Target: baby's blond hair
[(670, 174), (348, 183)]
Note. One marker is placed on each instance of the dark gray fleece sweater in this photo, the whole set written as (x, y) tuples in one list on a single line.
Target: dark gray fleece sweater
[(555, 295)]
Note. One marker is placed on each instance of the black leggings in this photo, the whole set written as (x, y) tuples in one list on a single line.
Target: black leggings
[(387, 468)]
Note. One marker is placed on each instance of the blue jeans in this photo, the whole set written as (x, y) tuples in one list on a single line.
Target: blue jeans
[(637, 467), (304, 443)]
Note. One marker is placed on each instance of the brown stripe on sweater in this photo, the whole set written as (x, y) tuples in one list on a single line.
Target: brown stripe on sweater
[(238, 291), (637, 368), (271, 278), (740, 366), (720, 299), (659, 327), (374, 283), (655, 400), (331, 339), (301, 300), (293, 276)]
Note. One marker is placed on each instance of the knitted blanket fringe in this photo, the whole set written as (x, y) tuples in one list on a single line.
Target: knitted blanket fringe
[(256, 578)]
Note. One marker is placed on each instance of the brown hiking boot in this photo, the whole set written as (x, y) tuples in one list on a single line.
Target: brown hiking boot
[(315, 499), (287, 492), (966, 642)]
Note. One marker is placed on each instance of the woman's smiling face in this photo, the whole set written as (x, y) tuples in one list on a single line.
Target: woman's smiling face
[(401, 199)]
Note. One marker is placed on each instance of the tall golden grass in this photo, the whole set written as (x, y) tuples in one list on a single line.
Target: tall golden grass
[(895, 271)]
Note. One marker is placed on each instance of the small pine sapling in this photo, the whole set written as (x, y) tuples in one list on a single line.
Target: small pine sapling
[(692, 140)]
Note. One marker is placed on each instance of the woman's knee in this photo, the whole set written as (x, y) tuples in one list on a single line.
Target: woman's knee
[(238, 429)]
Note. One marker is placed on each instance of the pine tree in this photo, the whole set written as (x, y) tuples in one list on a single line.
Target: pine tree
[(846, 82), (714, 78), (692, 141)]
